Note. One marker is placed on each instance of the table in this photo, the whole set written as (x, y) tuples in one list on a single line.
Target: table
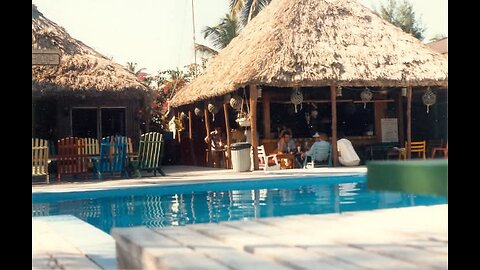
[(286, 160)]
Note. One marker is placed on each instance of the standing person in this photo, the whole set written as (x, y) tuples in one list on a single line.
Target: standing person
[(216, 140)]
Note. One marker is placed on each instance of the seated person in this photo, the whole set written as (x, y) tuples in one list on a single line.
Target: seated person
[(321, 148), (286, 144), (216, 141)]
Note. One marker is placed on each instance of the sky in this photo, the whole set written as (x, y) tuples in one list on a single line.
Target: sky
[(158, 35)]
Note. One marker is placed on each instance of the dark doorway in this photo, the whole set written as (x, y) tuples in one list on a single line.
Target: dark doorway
[(84, 122), (113, 121)]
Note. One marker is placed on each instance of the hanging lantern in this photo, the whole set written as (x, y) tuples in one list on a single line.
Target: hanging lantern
[(297, 98), (198, 112), (429, 98), (236, 102), (338, 91), (213, 109), (366, 96)]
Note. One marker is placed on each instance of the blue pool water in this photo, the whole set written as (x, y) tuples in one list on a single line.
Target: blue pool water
[(214, 202)]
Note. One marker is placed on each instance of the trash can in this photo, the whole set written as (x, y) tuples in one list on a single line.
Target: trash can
[(240, 156)]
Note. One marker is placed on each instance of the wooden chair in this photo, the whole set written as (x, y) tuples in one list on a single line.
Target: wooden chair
[(324, 152), (150, 153), (264, 160), (40, 158), (440, 149), (70, 158), (91, 147), (113, 156), (419, 147)]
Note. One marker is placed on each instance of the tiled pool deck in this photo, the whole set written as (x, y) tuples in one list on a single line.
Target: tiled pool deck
[(402, 238)]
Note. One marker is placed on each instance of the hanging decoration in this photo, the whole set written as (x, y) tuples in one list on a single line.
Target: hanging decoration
[(243, 118), (297, 98), (236, 102), (198, 112), (338, 91), (213, 109), (429, 98), (366, 96)]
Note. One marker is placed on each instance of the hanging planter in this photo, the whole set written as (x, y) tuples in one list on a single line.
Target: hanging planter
[(429, 98), (213, 109), (366, 96), (236, 102), (198, 112), (297, 98)]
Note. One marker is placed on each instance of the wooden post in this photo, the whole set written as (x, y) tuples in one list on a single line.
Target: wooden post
[(190, 139), (253, 123), (190, 133), (179, 133), (228, 163), (266, 115), (207, 128), (401, 135), (409, 121), (333, 97)]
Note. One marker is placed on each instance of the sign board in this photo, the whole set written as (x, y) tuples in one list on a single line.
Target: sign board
[(46, 57), (389, 130)]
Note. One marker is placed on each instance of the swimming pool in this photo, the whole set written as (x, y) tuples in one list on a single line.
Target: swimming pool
[(177, 205)]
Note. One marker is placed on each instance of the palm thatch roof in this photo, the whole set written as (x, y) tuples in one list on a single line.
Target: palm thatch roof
[(314, 43), (81, 68)]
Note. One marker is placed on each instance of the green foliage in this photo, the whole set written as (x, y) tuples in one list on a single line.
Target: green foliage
[(221, 34), (401, 14)]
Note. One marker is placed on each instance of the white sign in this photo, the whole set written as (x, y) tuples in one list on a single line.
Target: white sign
[(389, 130)]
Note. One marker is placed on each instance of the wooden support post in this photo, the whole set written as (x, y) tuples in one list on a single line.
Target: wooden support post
[(179, 133), (409, 121), (253, 123), (190, 133), (228, 163), (266, 115), (208, 155), (190, 139), (401, 133), (333, 97)]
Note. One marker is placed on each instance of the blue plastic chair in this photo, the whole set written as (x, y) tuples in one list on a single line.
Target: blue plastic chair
[(113, 156)]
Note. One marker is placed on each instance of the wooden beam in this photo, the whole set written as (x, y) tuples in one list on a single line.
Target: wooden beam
[(401, 131), (253, 123), (333, 97), (266, 115), (409, 121), (329, 101), (228, 160)]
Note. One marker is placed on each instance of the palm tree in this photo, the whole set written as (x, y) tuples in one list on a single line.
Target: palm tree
[(241, 12), (220, 35), (132, 68)]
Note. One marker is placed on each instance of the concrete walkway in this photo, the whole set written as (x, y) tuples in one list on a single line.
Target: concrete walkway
[(402, 238), (188, 174)]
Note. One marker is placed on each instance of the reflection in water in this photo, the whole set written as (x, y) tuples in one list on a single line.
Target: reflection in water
[(216, 206)]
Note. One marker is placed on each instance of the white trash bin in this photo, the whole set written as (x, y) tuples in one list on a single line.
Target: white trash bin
[(240, 156)]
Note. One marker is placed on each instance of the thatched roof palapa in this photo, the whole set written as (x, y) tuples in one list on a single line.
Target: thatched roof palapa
[(81, 68), (315, 43)]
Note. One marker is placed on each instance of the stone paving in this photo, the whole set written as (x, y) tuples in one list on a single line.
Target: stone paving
[(402, 238)]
